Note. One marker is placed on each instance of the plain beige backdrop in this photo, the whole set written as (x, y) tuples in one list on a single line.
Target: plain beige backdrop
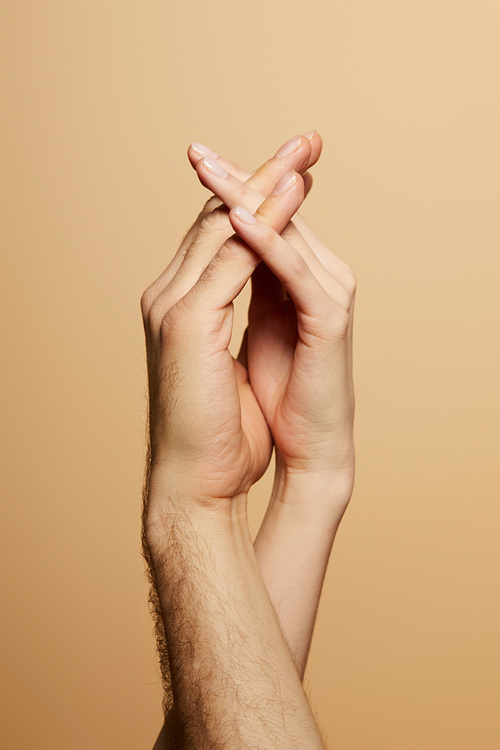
[(99, 102)]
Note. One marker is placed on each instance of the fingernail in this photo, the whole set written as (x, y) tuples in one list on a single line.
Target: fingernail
[(201, 150), (214, 167), (288, 147), (310, 134), (284, 183), (244, 215)]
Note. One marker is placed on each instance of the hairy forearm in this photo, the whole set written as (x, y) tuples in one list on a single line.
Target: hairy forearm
[(293, 547), (234, 682)]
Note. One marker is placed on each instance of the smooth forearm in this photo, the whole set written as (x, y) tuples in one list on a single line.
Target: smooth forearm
[(293, 547), (233, 679)]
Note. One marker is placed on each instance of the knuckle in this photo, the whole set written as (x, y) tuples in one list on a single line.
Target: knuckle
[(212, 203), (347, 277), (147, 300), (297, 266), (167, 330), (169, 325), (345, 299), (157, 313), (338, 323), (179, 322), (215, 221), (351, 282), (230, 250)]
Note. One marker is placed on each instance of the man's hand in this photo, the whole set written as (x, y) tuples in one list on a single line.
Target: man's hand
[(207, 431), (206, 426), (234, 682)]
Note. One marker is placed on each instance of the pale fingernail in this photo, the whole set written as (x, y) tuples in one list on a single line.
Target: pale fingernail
[(201, 150), (310, 134), (284, 183), (214, 167), (244, 215), (288, 147)]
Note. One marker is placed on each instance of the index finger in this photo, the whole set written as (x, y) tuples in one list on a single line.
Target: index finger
[(295, 154)]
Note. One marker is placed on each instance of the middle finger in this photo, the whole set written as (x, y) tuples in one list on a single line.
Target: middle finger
[(295, 154)]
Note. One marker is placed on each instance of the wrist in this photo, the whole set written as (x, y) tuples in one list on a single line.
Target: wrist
[(175, 505), (319, 495)]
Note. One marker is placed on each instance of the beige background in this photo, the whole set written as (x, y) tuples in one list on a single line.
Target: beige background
[(99, 101)]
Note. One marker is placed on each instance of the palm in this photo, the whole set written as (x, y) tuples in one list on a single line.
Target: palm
[(273, 350), (271, 345), (281, 369), (232, 442)]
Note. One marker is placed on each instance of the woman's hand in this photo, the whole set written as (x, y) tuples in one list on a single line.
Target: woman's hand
[(299, 350)]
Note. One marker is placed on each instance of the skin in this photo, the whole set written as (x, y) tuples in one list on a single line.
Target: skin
[(310, 497), (215, 419)]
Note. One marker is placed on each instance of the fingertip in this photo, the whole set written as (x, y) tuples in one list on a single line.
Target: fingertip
[(211, 166), (193, 159), (197, 151), (316, 143), (293, 144), (308, 182), (299, 183), (313, 136)]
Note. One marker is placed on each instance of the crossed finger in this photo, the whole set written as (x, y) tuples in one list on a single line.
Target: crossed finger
[(334, 275), (227, 273), (329, 270), (218, 175), (320, 314), (211, 232), (276, 210), (299, 153)]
